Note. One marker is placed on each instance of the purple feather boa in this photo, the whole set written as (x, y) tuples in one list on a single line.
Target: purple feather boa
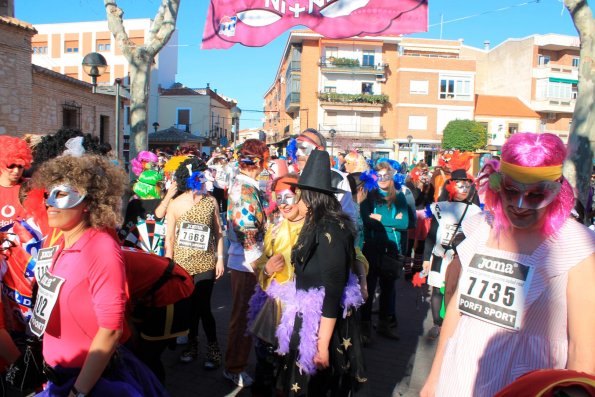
[(307, 304), (352, 295)]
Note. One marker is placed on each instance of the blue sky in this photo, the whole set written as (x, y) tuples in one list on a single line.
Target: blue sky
[(246, 73)]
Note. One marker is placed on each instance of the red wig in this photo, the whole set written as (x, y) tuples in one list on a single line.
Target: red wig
[(14, 151)]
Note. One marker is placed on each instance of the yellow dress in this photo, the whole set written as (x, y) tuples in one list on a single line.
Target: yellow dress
[(279, 239)]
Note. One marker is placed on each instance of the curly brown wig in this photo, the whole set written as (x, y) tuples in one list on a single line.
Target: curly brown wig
[(103, 182)]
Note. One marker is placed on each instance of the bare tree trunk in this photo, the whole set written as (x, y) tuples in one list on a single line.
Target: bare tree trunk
[(140, 59), (581, 143)]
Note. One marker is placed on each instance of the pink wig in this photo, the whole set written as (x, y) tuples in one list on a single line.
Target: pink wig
[(531, 150), (143, 158), (14, 150)]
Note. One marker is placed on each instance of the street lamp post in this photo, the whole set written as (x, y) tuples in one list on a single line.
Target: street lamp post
[(155, 126), (117, 130), (332, 132), (236, 112), (94, 64)]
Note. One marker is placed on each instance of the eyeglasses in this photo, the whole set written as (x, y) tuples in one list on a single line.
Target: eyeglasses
[(13, 166), (385, 177), (530, 196)]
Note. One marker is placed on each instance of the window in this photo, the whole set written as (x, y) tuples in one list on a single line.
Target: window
[(367, 122), (575, 62), (368, 59), (330, 118), (418, 122), (543, 59), (330, 89), (71, 115), (71, 47), (557, 90), (104, 47), (513, 128), (368, 88), (455, 88), (40, 48), (331, 52), (183, 119), (574, 91), (418, 87)]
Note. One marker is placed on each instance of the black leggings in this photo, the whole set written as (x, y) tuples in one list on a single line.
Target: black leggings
[(201, 303), (436, 305)]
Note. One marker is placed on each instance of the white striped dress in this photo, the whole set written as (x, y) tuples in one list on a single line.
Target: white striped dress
[(482, 358)]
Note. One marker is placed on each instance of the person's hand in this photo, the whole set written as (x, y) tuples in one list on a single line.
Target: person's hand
[(321, 359), (399, 216), (363, 286), (219, 268), (276, 263), (426, 267), (173, 189), (377, 217)]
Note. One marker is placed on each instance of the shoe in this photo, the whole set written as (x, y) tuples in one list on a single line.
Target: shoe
[(182, 340), (385, 330), (393, 323), (213, 355), (242, 379), (191, 352), (434, 332)]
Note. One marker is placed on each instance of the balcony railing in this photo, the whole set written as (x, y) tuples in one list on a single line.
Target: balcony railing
[(371, 99), (349, 65), (361, 131)]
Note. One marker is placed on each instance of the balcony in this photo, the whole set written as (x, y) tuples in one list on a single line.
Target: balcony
[(349, 66), (553, 105), (556, 71), (353, 131), (292, 102), (329, 100), (293, 67)]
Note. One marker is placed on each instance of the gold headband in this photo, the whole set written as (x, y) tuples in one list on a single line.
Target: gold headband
[(525, 174)]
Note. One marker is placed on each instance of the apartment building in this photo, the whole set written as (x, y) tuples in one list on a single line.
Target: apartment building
[(61, 47), (199, 111), (541, 70), (388, 96)]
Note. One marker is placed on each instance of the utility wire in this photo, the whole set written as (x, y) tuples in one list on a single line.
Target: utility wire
[(484, 13)]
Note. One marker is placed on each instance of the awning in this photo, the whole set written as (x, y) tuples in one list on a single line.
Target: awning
[(566, 81)]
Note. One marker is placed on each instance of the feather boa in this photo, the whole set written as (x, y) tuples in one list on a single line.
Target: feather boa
[(307, 304), (291, 150)]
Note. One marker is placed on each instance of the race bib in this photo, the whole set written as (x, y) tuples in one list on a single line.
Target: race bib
[(45, 257), (194, 236), (494, 290), (160, 228), (47, 296)]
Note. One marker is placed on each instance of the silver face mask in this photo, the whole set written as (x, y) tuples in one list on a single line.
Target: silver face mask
[(63, 197)]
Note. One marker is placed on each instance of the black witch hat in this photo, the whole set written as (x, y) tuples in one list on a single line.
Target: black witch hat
[(317, 174)]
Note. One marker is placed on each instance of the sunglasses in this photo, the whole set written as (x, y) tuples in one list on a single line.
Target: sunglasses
[(63, 197), (385, 177), (530, 196), (13, 166)]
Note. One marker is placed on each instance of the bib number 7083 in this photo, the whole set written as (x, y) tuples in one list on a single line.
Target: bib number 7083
[(493, 289)]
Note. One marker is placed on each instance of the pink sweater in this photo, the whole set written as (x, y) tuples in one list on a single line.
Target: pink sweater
[(92, 296)]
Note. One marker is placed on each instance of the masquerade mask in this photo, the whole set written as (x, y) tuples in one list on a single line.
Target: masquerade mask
[(531, 196), (385, 176), (250, 160), (463, 186), (63, 197), (305, 148), (285, 197)]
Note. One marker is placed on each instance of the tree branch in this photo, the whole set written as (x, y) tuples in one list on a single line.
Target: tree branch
[(163, 25), (582, 17), (115, 25)]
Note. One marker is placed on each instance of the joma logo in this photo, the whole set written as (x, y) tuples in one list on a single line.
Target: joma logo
[(497, 266)]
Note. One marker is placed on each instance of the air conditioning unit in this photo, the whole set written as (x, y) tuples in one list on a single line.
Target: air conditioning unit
[(551, 116)]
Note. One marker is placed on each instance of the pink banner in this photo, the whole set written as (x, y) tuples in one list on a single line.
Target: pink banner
[(255, 23)]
